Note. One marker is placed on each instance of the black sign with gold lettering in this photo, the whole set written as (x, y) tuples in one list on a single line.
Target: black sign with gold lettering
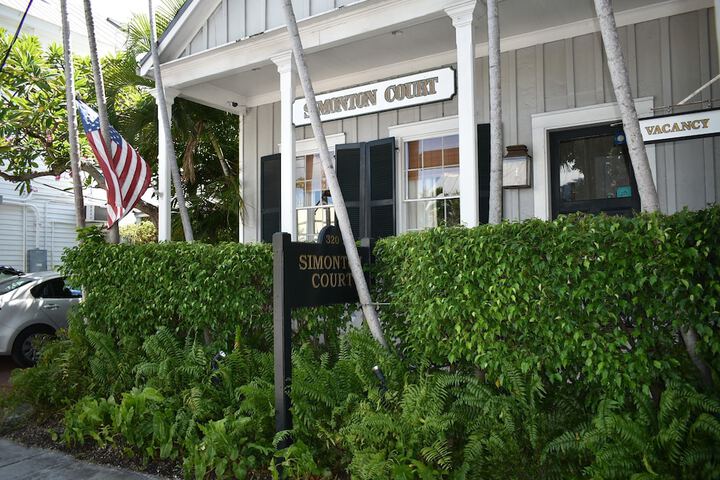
[(304, 275), (318, 274)]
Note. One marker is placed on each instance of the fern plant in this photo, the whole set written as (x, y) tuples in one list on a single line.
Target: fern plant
[(677, 439)]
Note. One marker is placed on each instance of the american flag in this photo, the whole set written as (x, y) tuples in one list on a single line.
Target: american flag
[(127, 175)]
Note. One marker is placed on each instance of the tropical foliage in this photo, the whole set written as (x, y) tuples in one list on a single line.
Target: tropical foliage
[(33, 125), (573, 368), (33, 119)]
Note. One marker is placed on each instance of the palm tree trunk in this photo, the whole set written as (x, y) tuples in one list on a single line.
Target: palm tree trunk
[(340, 209), (72, 119), (496, 132), (638, 155), (621, 83), (113, 232), (164, 120)]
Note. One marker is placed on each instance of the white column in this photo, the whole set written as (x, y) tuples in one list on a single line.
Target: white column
[(241, 172), (286, 69), (462, 19), (164, 181)]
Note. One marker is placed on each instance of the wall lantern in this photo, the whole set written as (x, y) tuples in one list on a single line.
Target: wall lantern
[(517, 167)]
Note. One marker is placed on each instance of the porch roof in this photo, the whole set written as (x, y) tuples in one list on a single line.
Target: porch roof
[(375, 39)]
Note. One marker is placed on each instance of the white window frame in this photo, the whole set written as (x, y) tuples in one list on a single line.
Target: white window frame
[(544, 123), (310, 146), (409, 132)]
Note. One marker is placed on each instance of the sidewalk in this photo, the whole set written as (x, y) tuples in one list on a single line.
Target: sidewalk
[(19, 462)]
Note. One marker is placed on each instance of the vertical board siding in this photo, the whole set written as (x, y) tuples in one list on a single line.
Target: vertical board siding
[(52, 228), (555, 76), (667, 59), (584, 70), (319, 6), (199, 42), (217, 27), (274, 14), (254, 17), (236, 19)]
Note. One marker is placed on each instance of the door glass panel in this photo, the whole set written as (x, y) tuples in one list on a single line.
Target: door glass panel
[(313, 202), (593, 169)]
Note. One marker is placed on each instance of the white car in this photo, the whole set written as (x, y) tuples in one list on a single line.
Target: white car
[(32, 306)]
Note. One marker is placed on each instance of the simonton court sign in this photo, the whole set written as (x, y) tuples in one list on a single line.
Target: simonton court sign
[(417, 89)]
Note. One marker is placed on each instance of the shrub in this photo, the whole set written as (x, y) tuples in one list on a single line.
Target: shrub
[(143, 232), (521, 351), (592, 298)]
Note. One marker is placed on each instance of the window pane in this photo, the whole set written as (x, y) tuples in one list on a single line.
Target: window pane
[(422, 215), (413, 184), (413, 155), (451, 150), (302, 228), (432, 152), (451, 181), (431, 182), (452, 212), (593, 169)]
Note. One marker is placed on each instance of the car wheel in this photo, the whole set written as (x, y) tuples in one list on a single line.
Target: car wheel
[(24, 351)]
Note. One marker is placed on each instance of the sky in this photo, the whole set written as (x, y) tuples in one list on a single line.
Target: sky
[(120, 10)]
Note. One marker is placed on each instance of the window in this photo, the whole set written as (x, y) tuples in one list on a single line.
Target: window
[(54, 288), (310, 198), (7, 286), (432, 193), (313, 201), (591, 172)]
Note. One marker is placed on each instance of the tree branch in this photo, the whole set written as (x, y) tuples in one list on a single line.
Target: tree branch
[(30, 175)]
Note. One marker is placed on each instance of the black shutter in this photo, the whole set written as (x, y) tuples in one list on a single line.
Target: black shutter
[(483, 153), (381, 205), (350, 169), (269, 196)]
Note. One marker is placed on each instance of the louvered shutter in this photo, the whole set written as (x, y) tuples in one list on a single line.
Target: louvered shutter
[(483, 154), (381, 204), (269, 196), (350, 170)]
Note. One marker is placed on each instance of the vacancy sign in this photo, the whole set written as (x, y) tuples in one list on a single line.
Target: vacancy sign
[(679, 127), (417, 89)]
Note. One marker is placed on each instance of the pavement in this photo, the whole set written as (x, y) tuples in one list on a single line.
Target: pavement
[(18, 462)]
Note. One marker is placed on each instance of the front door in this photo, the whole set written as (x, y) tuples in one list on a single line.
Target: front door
[(591, 172)]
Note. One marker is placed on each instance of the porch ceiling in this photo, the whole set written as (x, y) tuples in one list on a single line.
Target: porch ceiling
[(423, 45)]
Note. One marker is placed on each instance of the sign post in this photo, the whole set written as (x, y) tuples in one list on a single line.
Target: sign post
[(305, 275)]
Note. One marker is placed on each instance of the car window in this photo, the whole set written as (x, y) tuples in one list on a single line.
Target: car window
[(8, 286), (55, 288)]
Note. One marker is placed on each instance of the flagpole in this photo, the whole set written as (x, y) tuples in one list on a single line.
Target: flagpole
[(114, 231)]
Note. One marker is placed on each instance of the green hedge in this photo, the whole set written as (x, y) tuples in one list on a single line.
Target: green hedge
[(593, 297), (132, 290), (523, 350)]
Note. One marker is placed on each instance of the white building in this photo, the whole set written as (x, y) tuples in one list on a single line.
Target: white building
[(557, 100), (416, 154), (44, 220), (43, 21)]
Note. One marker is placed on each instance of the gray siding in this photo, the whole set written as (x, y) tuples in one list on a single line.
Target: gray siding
[(236, 19), (667, 59)]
